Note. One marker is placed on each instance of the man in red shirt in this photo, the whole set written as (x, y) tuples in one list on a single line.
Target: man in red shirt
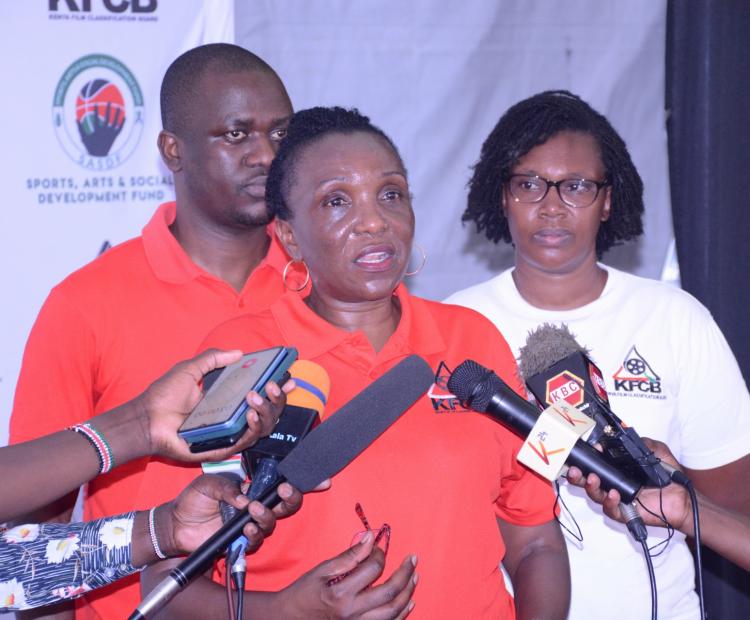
[(110, 328)]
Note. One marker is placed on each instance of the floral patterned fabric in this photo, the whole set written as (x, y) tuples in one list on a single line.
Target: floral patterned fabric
[(50, 562)]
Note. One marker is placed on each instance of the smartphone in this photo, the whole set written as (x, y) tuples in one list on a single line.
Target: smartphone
[(219, 419)]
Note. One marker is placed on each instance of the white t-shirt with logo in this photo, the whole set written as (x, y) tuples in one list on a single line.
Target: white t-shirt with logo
[(669, 374)]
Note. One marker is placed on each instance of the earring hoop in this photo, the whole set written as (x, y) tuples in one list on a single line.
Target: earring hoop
[(421, 265), (286, 270)]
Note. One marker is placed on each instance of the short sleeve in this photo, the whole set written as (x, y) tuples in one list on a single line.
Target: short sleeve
[(56, 383), (713, 403)]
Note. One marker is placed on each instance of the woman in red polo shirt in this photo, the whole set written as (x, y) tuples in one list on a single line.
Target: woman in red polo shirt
[(445, 479)]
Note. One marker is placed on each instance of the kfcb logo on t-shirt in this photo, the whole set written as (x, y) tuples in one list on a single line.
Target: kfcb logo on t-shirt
[(637, 378)]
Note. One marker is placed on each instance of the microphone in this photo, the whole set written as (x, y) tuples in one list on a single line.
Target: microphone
[(304, 407), (556, 367), (482, 390), (325, 451)]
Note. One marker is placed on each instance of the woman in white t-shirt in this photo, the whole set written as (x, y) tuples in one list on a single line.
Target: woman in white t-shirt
[(556, 180)]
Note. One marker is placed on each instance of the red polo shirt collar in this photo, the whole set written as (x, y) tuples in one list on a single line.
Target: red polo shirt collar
[(172, 264), (417, 331)]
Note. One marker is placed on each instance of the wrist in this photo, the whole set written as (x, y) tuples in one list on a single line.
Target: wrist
[(163, 530), (125, 430), (142, 551)]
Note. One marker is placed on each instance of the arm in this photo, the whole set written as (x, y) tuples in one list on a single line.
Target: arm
[(309, 597), (726, 532), (726, 485), (537, 561), (85, 556), (147, 425)]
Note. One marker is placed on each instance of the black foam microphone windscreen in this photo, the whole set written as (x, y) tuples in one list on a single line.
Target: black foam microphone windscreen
[(335, 443)]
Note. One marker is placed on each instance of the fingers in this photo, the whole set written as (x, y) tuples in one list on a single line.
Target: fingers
[(291, 501), (265, 522), (220, 489), (611, 506), (575, 476), (392, 599), (356, 579), (268, 409), (288, 386), (348, 560), (209, 360), (323, 486), (609, 500)]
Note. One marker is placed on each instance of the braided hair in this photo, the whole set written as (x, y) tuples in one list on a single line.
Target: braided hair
[(532, 122), (306, 127)]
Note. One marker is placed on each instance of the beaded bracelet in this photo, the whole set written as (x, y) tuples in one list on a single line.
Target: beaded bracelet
[(106, 460), (152, 532)]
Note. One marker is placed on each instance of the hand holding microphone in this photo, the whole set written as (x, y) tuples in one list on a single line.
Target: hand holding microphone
[(486, 393), (673, 500), (325, 451)]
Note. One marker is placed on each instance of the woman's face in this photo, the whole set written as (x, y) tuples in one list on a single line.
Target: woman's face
[(549, 235), (352, 221)]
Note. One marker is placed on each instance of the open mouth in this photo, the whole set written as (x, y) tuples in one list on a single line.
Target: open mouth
[(376, 257)]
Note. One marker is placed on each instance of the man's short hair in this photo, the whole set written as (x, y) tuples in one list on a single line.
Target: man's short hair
[(181, 80)]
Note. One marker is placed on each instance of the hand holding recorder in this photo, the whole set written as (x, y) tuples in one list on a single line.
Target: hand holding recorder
[(146, 425), (242, 402)]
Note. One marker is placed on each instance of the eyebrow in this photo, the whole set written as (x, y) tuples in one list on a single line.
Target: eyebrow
[(344, 179), (571, 175), (244, 121)]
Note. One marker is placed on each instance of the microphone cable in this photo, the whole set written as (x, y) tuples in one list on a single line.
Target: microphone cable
[(651, 577), (238, 577), (680, 478)]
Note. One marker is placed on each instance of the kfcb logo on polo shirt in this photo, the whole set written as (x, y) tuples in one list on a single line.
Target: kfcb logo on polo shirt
[(440, 396), (637, 378), (97, 112)]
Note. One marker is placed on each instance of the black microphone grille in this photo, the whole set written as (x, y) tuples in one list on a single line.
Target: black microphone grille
[(474, 384)]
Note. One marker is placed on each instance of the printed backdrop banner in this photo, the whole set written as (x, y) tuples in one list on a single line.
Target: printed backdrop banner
[(79, 121)]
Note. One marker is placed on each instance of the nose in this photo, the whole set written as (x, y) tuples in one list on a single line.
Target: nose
[(261, 152), (370, 218), (552, 204)]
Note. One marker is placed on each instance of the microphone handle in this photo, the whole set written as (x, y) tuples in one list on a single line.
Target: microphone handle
[(589, 460), (200, 559), (265, 475)]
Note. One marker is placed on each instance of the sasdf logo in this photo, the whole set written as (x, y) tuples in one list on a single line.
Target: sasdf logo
[(97, 112)]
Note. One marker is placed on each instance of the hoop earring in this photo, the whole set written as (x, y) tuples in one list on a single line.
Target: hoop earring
[(421, 265), (286, 270)]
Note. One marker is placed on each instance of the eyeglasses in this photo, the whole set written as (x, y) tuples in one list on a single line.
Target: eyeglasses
[(576, 193), (382, 539)]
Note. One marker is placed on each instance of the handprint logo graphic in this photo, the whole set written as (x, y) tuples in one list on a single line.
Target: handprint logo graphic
[(98, 112)]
